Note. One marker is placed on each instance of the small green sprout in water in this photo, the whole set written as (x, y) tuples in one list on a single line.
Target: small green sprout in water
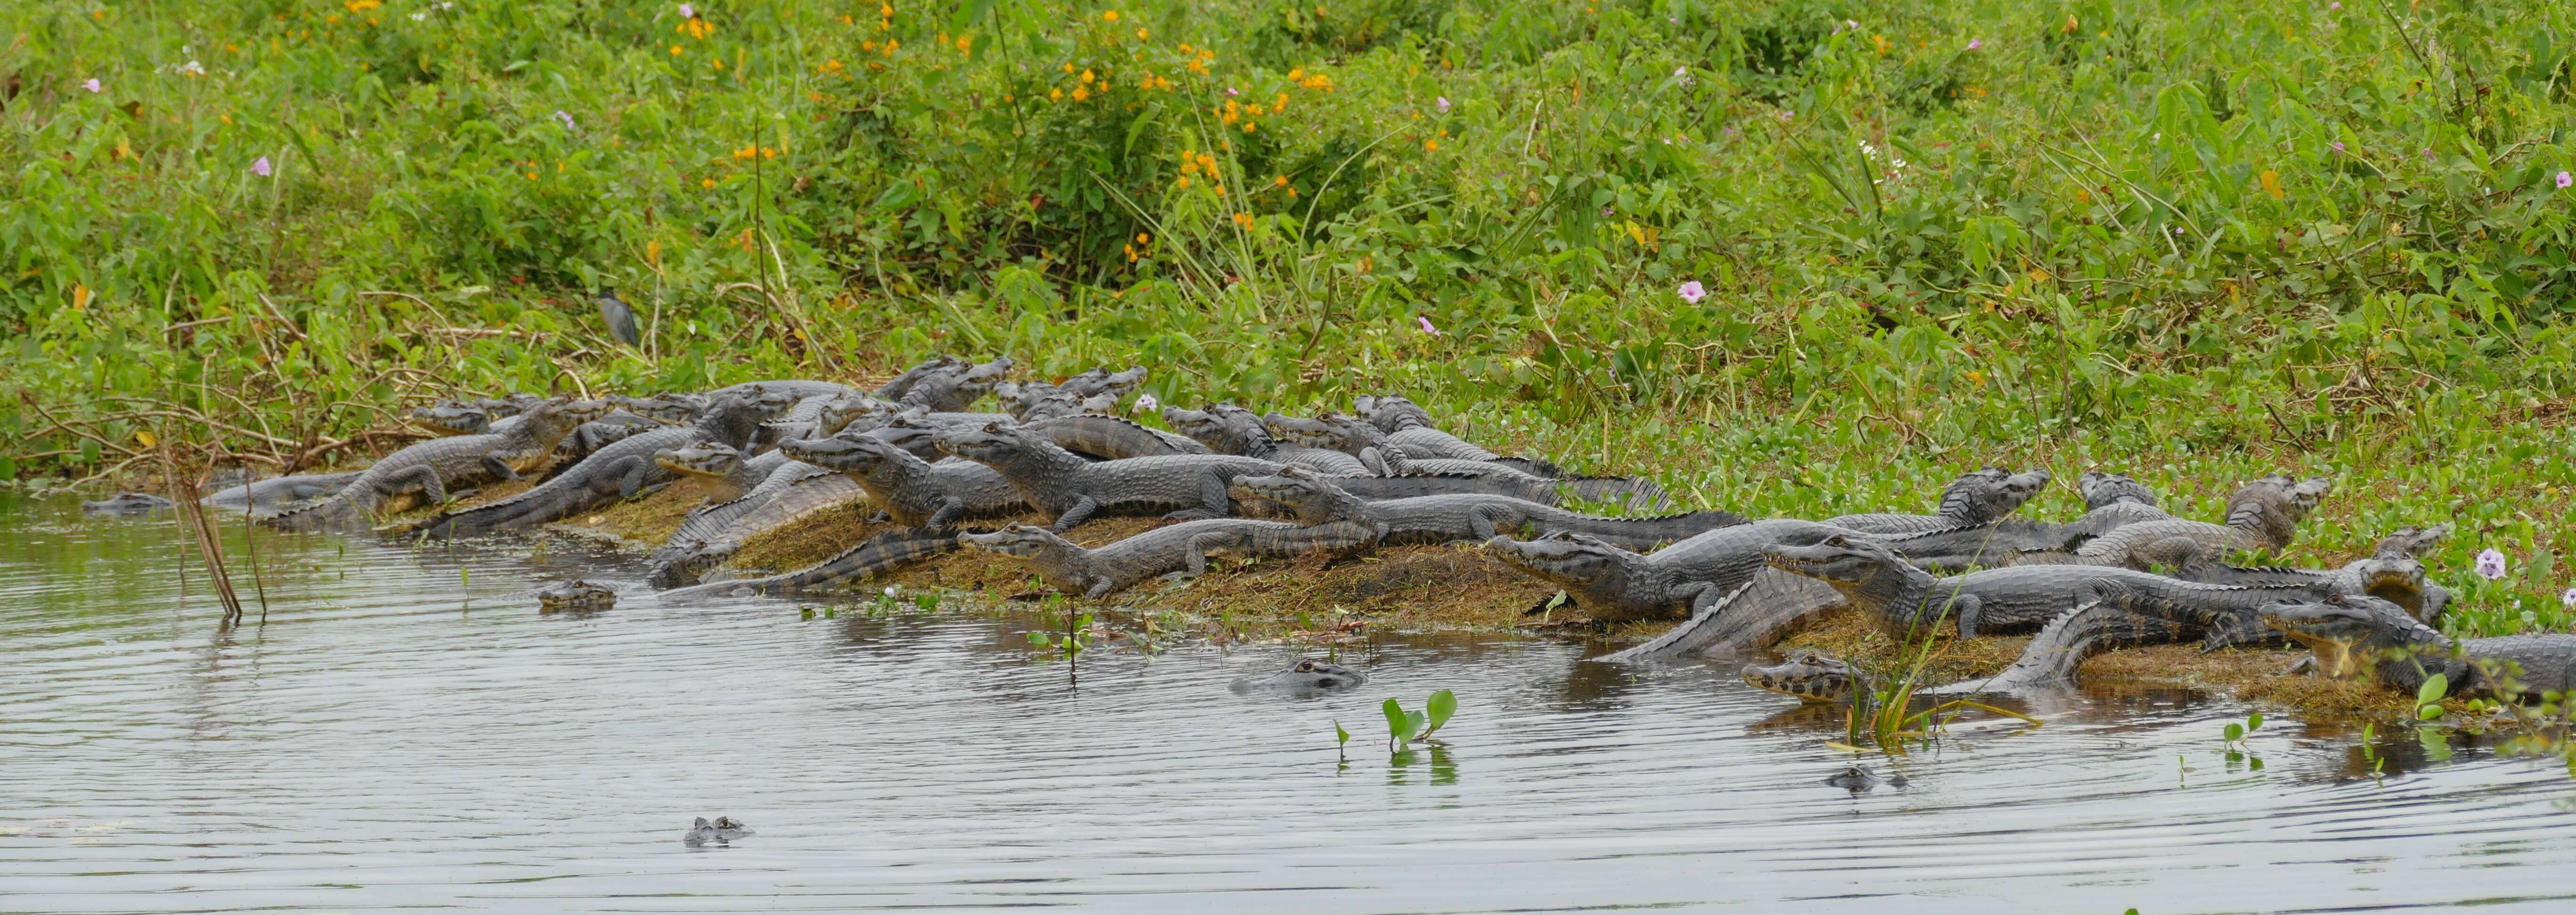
[(1404, 727), (2232, 738), (2428, 697), (926, 600)]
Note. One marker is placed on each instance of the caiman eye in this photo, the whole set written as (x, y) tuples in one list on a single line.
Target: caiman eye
[(1305, 667)]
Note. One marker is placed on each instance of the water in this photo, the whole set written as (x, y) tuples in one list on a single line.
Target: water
[(400, 735)]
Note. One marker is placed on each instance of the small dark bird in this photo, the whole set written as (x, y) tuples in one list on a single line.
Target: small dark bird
[(621, 319)]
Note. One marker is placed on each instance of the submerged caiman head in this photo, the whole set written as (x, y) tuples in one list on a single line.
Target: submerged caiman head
[(2351, 633), (1811, 675), (1021, 540), (990, 443), (576, 595), (666, 408), (1391, 413), (2102, 489), (1861, 569), (864, 455), (703, 459), (1991, 493), (449, 417), (1307, 675), (1302, 492)]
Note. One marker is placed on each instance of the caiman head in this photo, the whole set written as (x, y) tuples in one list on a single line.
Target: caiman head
[(448, 417), (1990, 494), (865, 455), (1302, 492), (2350, 634), (1574, 562), (1307, 675), (1117, 385), (1811, 675), (2273, 506), (913, 432), (1865, 571), (847, 408), (2102, 489), (1305, 433), (1391, 413), (761, 402), (701, 459), (666, 408), (990, 443), (2395, 571), (565, 414), (505, 407), (1054, 403), (981, 378), (576, 596), (1021, 540)]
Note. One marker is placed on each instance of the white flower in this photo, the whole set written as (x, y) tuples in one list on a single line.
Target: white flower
[(890, 591), (2490, 565), (1147, 402), (2567, 598)]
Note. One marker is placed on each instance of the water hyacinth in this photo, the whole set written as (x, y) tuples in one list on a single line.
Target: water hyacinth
[(2564, 179), (2567, 598), (2490, 565), (1682, 74), (688, 11), (260, 167), (1426, 325), (565, 118), (1975, 43), (1146, 403), (1443, 102), (1692, 292), (93, 86)]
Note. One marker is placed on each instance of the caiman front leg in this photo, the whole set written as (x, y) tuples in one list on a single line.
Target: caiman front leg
[(1213, 502), (1076, 514), (951, 510), (498, 467), (420, 477)]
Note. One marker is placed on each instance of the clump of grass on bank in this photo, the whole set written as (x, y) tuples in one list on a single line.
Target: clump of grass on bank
[(1791, 257)]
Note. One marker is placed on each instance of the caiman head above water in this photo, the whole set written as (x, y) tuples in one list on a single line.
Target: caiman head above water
[(576, 596), (1810, 675), (1596, 574), (1307, 675)]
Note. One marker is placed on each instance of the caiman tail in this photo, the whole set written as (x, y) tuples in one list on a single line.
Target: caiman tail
[(1752, 616), (880, 554), (2052, 659), (1638, 494)]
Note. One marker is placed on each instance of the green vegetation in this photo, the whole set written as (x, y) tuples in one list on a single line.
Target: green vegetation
[(2195, 241)]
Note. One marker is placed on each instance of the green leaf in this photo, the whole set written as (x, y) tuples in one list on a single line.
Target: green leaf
[(2434, 688), (1395, 727), (1340, 736), (2235, 732), (1414, 724), (1038, 638), (2254, 721), (1442, 705), (2429, 712)]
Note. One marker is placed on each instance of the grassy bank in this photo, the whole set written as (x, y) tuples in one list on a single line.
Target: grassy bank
[(1791, 258)]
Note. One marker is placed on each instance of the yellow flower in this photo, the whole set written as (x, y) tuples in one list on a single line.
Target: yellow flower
[(1056, 94), (2272, 184), (708, 183), (1296, 74), (1142, 238), (675, 51), (1068, 66), (1184, 182), (1430, 146), (1087, 77), (1283, 181), (1080, 93), (1248, 126), (1109, 16), (1140, 34), (1243, 219)]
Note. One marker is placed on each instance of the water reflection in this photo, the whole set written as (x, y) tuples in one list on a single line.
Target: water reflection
[(404, 732)]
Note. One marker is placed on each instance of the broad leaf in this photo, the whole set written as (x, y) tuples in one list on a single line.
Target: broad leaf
[(1442, 705), (2434, 688), (1395, 724)]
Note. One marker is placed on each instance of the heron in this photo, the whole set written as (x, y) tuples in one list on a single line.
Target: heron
[(621, 319)]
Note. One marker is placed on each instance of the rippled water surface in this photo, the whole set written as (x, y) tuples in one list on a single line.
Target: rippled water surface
[(403, 733)]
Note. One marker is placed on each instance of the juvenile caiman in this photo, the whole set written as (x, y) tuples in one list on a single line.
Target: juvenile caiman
[(1976, 498), (1097, 390), (1228, 429), (1693, 579), (1811, 675), (1109, 438), (1305, 676), (421, 474), (955, 388), (894, 388), (1333, 430), (1465, 517), (1184, 547), (128, 503), (1067, 490), (2113, 500), (2393, 572), (725, 475), (876, 556), (1409, 427), (910, 491), (713, 534), (1904, 599), (2357, 636), (616, 472), (2264, 515), (452, 417)]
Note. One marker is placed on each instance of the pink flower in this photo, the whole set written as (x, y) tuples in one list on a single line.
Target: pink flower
[(1426, 325), (2565, 179), (1975, 43), (565, 118), (93, 85), (2338, 145), (1229, 90), (260, 167), (2490, 565), (1147, 403), (2335, 5), (1444, 104), (688, 12), (1692, 292)]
